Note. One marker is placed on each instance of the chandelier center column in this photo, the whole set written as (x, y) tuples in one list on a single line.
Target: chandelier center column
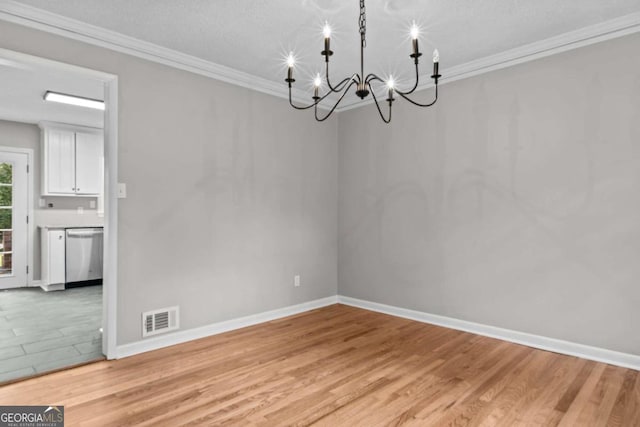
[(361, 89)]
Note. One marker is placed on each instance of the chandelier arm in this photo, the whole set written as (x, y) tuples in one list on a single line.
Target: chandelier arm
[(306, 107), (297, 107), (340, 85), (375, 100), (415, 86), (372, 77), (417, 103), (322, 119)]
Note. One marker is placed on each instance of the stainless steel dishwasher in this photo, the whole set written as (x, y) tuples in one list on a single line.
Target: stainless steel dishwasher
[(83, 255)]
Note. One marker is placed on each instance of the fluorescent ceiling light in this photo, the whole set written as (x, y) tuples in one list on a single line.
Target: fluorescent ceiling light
[(74, 100)]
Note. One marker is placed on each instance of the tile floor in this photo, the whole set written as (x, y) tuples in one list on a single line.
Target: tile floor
[(42, 331)]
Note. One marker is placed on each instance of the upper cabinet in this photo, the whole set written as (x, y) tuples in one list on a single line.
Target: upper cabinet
[(72, 161), (89, 163), (59, 162)]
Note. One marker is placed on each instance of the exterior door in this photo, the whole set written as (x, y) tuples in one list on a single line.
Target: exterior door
[(13, 219)]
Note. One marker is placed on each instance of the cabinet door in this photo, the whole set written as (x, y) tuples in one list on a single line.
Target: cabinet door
[(60, 162), (57, 261), (89, 159)]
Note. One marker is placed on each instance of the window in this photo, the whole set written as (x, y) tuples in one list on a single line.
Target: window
[(6, 218)]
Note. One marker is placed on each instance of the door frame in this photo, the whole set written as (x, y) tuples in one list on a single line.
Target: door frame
[(31, 224), (110, 277)]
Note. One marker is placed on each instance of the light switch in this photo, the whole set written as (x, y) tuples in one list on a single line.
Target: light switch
[(122, 190), (92, 204)]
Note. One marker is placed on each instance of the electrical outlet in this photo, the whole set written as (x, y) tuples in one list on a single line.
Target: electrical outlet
[(80, 210), (296, 281)]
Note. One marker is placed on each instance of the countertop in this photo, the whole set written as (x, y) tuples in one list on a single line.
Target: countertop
[(58, 227)]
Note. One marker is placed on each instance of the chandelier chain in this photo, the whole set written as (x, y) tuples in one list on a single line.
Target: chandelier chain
[(363, 24)]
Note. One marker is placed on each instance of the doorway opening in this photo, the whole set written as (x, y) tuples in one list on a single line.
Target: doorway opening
[(58, 217)]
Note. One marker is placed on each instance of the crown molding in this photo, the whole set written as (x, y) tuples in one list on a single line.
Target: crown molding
[(614, 28), (36, 18), (32, 17)]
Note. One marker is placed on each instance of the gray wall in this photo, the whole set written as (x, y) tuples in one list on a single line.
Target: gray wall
[(64, 210), (515, 202), (230, 193)]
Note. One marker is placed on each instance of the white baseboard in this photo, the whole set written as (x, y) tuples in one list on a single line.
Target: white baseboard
[(50, 288), (625, 360), (611, 357), (180, 337)]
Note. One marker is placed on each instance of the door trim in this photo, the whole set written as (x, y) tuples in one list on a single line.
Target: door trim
[(110, 279), (30, 226)]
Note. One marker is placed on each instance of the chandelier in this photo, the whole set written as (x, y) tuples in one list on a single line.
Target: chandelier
[(362, 83)]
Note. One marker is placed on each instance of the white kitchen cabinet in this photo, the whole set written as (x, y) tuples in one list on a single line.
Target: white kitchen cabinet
[(89, 155), (72, 161), (53, 262), (60, 155)]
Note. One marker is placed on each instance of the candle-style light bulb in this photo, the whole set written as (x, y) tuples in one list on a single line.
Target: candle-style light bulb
[(317, 82), (415, 33), (291, 61), (391, 84), (326, 31), (436, 62)]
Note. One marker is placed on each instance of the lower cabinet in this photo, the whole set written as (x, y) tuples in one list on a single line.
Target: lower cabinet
[(53, 259)]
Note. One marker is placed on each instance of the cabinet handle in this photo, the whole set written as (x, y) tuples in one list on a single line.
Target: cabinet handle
[(59, 237)]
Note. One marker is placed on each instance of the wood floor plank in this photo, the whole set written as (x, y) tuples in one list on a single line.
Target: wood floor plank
[(582, 397), (542, 411), (625, 400), (337, 366)]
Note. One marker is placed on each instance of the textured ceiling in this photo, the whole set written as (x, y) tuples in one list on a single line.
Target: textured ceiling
[(254, 35)]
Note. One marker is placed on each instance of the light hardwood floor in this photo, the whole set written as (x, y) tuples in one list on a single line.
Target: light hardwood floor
[(341, 366)]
